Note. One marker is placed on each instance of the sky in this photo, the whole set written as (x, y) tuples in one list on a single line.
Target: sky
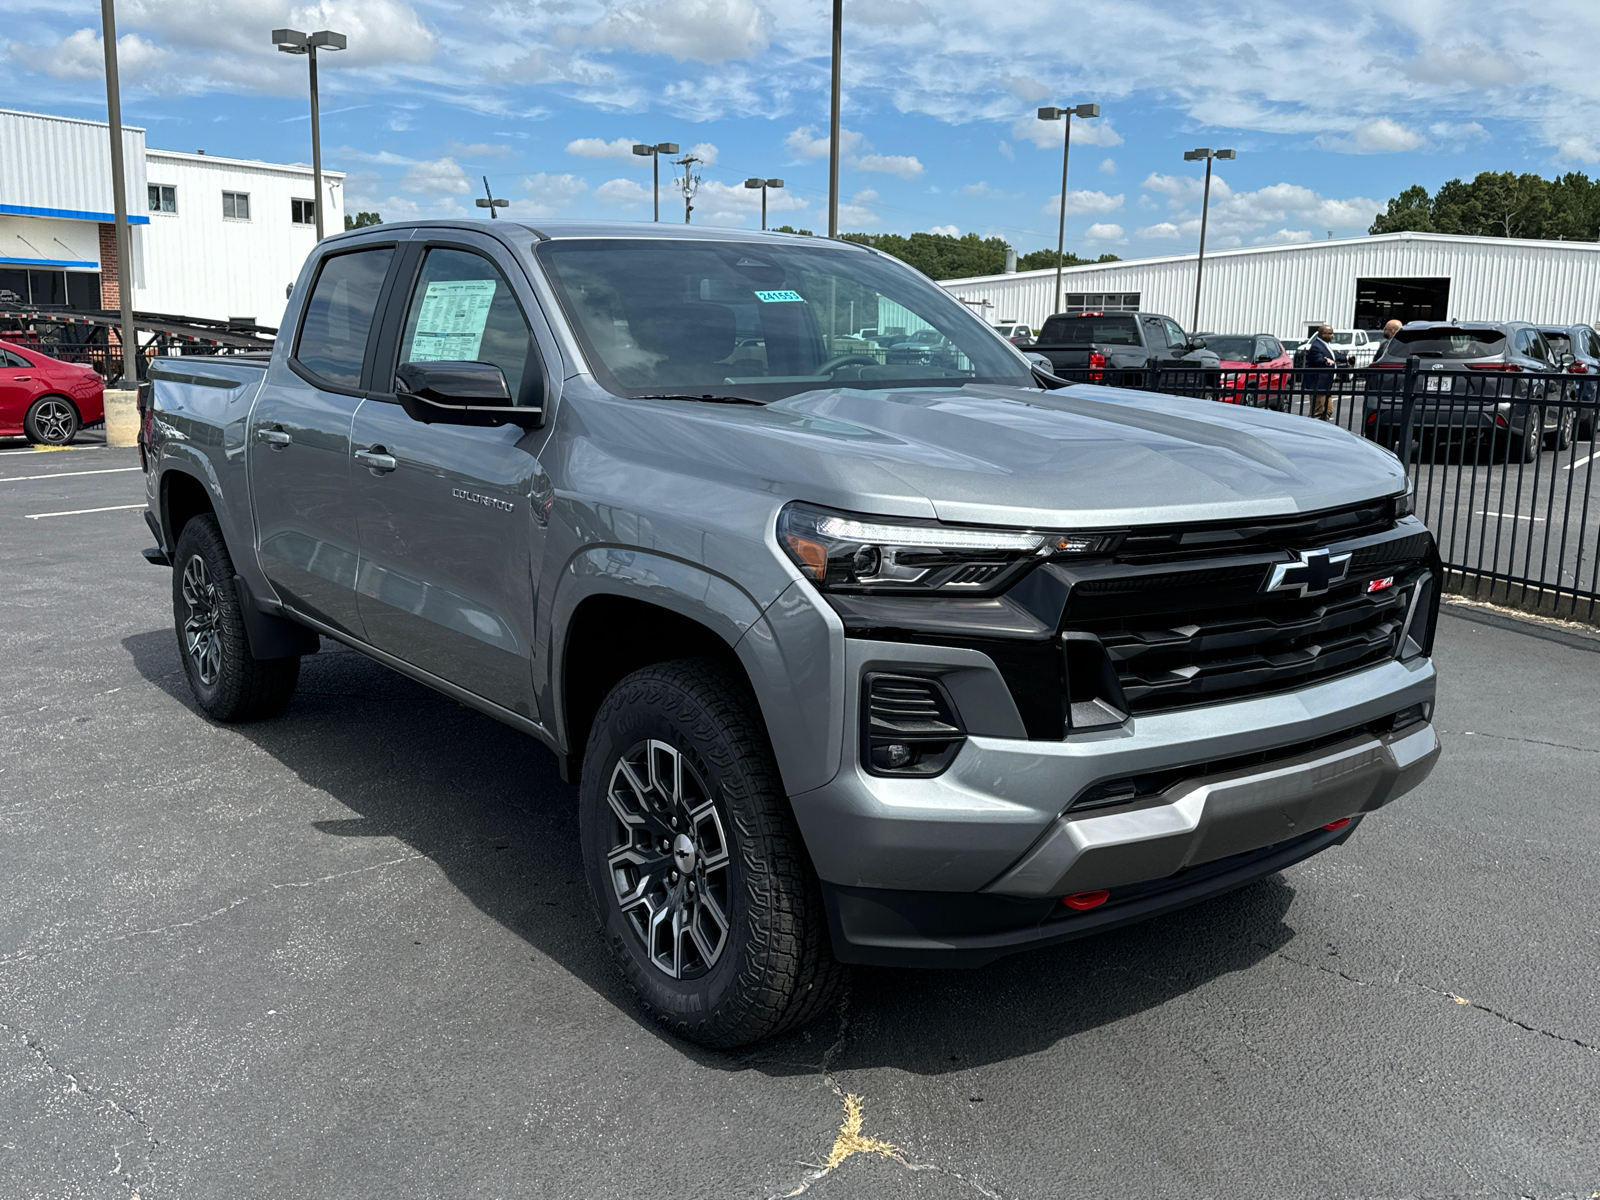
[(1332, 108)]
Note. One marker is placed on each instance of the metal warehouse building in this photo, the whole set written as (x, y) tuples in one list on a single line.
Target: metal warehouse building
[(1349, 283), (212, 237)]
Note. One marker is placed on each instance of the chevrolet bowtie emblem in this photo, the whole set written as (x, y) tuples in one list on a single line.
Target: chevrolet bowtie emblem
[(1315, 573)]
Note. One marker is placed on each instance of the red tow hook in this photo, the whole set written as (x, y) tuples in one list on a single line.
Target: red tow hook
[(1081, 901), (1339, 824)]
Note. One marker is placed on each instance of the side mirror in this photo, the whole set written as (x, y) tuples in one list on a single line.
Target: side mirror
[(460, 393)]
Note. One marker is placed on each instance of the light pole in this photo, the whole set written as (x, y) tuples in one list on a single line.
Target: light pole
[(119, 199), (833, 122), (488, 201), (1064, 114), (1205, 203), (763, 184), (292, 41), (654, 153)]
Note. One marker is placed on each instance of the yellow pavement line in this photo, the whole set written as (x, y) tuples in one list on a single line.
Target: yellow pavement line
[(70, 474), (78, 512)]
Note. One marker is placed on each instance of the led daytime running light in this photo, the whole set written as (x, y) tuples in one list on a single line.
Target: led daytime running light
[(848, 530)]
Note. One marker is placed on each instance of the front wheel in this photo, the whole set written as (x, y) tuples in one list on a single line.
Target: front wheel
[(51, 421), (705, 895), (229, 682)]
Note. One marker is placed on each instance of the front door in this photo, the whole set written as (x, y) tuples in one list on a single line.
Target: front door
[(450, 536), (299, 444)]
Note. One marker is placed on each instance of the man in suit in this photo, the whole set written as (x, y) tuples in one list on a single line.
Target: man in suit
[(1319, 373)]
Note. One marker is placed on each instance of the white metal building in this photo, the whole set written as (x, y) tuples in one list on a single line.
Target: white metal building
[(212, 237), (1349, 283)]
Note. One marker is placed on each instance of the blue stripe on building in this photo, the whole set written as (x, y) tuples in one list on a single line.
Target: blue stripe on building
[(69, 214)]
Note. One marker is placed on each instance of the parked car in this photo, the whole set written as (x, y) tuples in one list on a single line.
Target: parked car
[(1479, 379), (44, 399), (1352, 348), (901, 663), (1255, 369), (1578, 346), (1016, 334), (1125, 350), (1296, 349)]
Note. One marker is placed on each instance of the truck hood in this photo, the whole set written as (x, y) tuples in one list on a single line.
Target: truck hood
[(1083, 456)]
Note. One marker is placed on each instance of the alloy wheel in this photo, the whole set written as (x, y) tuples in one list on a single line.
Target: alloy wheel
[(202, 633), (54, 420), (668, 860)]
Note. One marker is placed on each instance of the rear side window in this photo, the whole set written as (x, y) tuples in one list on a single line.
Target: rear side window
[(14, 361), (338, 317), (1084, 331), (1447, 342), (1560, 343)]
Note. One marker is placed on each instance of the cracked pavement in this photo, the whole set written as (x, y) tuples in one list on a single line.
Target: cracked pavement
[(348, 953)]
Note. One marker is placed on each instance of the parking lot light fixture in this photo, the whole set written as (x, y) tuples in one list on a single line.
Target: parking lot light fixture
[(1207, 154), (1065, 114), (654, 153), (293, 41), (763, 184)]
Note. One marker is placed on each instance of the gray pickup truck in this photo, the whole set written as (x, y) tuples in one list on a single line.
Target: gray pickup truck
[(853, 660)]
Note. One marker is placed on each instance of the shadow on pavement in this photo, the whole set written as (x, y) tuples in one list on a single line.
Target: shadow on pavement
[(485, 803)]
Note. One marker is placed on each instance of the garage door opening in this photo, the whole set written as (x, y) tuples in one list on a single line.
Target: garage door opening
[(1379, 301)]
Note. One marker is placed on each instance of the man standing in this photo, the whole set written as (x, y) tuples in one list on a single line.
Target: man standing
[(1319, 373), (1389, 330)]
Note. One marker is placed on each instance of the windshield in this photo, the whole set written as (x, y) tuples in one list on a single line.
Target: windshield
[(1239, 349), (763, 321), (1447, 342), (1086, 331)]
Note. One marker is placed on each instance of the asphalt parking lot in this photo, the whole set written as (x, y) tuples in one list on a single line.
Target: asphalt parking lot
[(349, 953)]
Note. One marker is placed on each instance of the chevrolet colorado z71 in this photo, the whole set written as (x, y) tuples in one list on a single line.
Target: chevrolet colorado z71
[(852, 659)]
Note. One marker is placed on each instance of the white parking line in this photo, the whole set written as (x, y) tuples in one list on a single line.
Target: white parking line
[(1581, 462), (1503, 516), (78, 512), (69, 474)]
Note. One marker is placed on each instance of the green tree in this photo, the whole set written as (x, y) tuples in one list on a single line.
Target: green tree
[(1409, 212), (361, 220), (1500, 204), (792, 229)]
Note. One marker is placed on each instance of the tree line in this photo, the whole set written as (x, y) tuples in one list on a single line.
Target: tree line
[(1500, 204)]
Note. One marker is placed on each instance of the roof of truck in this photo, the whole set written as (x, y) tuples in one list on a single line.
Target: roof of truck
[(556, 230)]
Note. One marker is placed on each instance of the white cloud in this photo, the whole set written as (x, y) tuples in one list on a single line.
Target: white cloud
[(858, 214), (1164, 229), (1108, 166), (593, 147), (708, 31), (1284, 236), (625, 193), (1581, 148), (705, 152), (81, 55), (1006, 152), (549, 194), (1050, 134), (1380, 136), (906, 166), (946, 230), (804, 142), (437, 178), (1079, 203), (1104, 233)]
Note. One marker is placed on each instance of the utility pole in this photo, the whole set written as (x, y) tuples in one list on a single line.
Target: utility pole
[(119, 196), (1064, 114), (490, 202), (654, 153), (1205, 205), (833, 123), (690, 184)]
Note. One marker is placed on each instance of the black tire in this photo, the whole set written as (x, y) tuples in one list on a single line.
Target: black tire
[(1560, 437), (1527, 445), (773, 969), (228, 682), (51, 421)]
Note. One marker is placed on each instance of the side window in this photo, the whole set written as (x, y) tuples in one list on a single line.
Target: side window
[(13, 361), (463, 310), (338, 316), (1154, 335), (1524, 343), (1175, 335)]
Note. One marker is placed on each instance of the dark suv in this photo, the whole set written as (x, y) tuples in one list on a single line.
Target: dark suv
[(1476, 378), (1578, 346)]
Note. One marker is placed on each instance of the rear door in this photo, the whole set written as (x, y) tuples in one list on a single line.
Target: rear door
[(18, 386), (299, 441), (451, 516)]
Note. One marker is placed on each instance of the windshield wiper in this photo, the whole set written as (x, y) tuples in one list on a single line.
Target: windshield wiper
[(708, 399)]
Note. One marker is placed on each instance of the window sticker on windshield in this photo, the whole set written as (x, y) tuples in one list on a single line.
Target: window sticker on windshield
[(450, 323), (780, 297)]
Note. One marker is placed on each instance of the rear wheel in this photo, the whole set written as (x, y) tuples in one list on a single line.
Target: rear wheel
[(705, 895), (229, 682), (51, 421), (1560, 437)]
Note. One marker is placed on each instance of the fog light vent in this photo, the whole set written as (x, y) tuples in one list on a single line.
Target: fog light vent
[(909, 726)]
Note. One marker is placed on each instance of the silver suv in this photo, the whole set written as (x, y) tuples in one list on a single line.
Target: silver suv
[(854, 656)]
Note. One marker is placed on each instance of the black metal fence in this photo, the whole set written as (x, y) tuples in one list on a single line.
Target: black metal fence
[(1502, 461)]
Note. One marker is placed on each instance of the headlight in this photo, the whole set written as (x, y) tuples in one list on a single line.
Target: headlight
[(848, 553)]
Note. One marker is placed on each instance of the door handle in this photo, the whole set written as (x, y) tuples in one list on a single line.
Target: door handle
[(272, 437), (22, 379), (376, 460)]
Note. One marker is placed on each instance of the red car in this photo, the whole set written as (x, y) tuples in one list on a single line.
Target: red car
[(44, 399), (1255, 369)]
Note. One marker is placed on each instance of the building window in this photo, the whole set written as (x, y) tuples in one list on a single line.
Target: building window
[(303, 212), (236, 206), (163, 198), (1081, 302)]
